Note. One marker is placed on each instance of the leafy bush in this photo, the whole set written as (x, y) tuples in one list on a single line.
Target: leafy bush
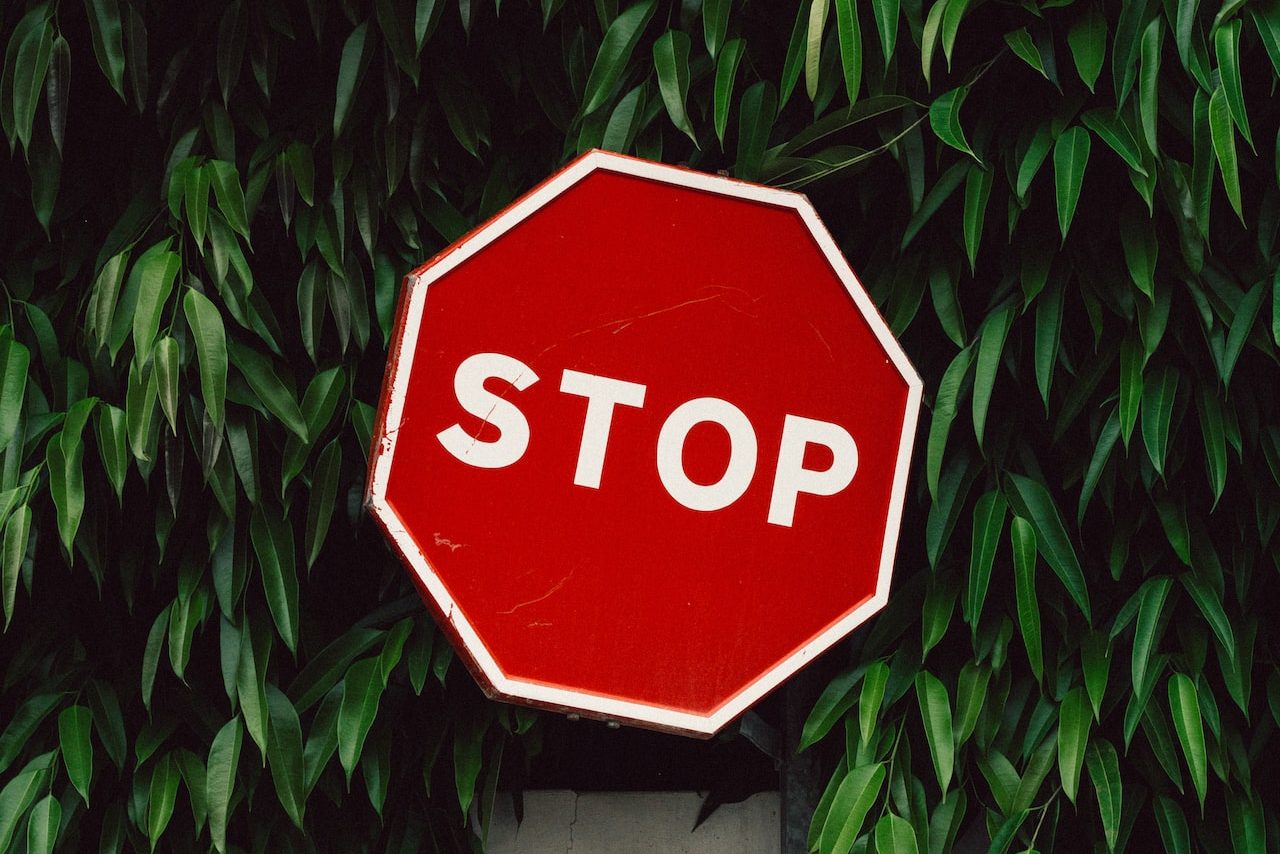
[(1068, 211)]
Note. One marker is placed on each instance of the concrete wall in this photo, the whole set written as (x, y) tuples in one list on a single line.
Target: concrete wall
[(557, 822)]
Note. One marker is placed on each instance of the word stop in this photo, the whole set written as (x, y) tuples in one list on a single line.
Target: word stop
[(605, 394)]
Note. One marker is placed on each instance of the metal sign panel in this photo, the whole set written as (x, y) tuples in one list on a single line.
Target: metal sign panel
[(643, 444)]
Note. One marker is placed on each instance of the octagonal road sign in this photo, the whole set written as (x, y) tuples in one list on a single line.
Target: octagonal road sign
[(643, 444)]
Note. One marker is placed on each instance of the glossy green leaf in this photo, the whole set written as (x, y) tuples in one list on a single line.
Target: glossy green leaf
[(1074, 723), (362, 691), (273, 544), (1158, 396), (14, 361), (284, 755), (991, 342), (1226, 47), (935, 712), (858, 791), (836, 699), (1116, 134), (1224, 147), (944, 117), (1087, 39), (1104, 773), (74, 725), (106, 35), (321, 500), (163, 796), (1024, 47), (17, 532), (1184, 705), (756, 115), (895, 835), (1241, 325), (1174, 833), (224, 759), (156, 272), (886, 13), (43, 825), (671, 59), (850, 34), (205, 322), (1148, 628), (351, 68), (871, 698), (615, 52), (1023, 538), (944, 413), (726, 75), (166, 370), (988, 525), (715, 22), (818, 14), (262, 377), (1032, 501), (1148, 79), (1070, 157), (977, 191)]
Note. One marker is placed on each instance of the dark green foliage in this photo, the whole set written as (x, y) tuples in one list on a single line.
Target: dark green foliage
[(1068, 211)]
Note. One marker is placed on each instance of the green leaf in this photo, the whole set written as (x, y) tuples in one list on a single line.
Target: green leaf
[(1101, 453), (989, 514), (1210, 605), (935, 712), (850, 34), (1023, 538), (944, 117), (151, 653), (195, 193), (1215, 439), (793, 64), (615, 52), (34, 55), (977, 190), (1032, 501), (220, 785), (1241, 325), (939, 602), (951, 17), (166, 371), (870, 699), (164, 793), (43, 824), (1070, 156), (262, 377), (1145, 639), (1173, 826), (17, 532), (929, 38), (1087, 39), (1021, 43), (14, 362), (836, 699), (1226, 47), (106, 34), (1037, 151), (273, 544), (1224, 147), (1074, 723), (1116, 134), (229, 195), (77, 752), (995, 331), (886, 13), (111, 433), (1148, 79), (108, 721), (944, 412), (858, 791), (1104, 771), (1131, 385), (321, 500), (895, 835), (284, 755), (155, 272), (351, 68), (726, 75), (1184, 704), (18, 794), (1138, 239), (207, 331), (671, 59), (1157, 409), (813, 45), (715, 23), (362, 691), (756, 115)]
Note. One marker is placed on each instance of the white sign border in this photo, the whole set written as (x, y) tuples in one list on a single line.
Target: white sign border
[(404, 346)]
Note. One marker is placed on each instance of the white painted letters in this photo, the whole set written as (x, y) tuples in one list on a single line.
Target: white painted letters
[(513, 427), (792, 477), (602, 394), (742, 454)]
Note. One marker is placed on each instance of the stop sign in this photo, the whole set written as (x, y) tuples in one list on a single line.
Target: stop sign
[(643, 444)]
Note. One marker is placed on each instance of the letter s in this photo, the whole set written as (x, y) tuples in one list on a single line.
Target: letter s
[(513, 427)]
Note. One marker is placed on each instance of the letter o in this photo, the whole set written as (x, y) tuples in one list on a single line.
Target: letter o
[(742, 454)]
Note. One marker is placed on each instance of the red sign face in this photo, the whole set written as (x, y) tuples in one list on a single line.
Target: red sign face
[(643, 444)]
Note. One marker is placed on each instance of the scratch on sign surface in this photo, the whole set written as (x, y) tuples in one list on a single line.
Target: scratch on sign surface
[(445, 541), (554, 589)]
